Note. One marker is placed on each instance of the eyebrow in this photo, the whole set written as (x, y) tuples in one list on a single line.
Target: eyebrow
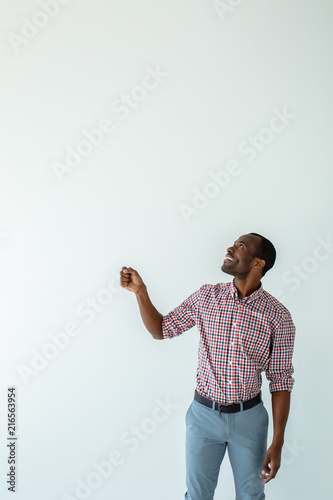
[(240, 241)]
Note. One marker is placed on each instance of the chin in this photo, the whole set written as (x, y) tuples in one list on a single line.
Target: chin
[(226, 270)]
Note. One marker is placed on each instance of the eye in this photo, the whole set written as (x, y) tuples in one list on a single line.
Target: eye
[(241, 245)]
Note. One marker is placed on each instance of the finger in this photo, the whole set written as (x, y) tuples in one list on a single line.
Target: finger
[(125, 278), (267, 480), (265, 469), (125, 281), (271, 474), (125, 285), (125, 274), (265, 472), (265, 465), (274, 470)]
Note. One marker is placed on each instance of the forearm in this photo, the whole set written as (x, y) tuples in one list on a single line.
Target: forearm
[(151, 318), (280, 409)]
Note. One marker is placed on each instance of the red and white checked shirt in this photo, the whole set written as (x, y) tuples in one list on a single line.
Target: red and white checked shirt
[(238, 340)]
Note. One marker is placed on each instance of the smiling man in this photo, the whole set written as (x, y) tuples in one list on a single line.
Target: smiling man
[(243, 331)]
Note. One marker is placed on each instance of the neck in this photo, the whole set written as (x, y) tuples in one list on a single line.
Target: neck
[(246, 286)]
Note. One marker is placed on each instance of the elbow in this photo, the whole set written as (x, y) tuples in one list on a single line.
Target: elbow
[(157, 336)]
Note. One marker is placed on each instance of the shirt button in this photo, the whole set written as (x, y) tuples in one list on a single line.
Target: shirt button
[(235, 323), (230, 382), (230, 363), (230, 401)]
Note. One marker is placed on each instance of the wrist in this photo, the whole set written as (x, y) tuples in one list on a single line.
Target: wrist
[(141, 291), (278, 442)]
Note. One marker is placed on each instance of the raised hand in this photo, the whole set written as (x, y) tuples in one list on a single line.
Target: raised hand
[(130, 279)]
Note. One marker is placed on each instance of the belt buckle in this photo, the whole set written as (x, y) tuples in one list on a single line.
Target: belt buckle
[(221, 405)]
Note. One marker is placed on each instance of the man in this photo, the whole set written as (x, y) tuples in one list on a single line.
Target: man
[(243, 331)]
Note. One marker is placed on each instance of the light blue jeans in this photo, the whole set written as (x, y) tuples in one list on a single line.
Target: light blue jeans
[(208, 435)]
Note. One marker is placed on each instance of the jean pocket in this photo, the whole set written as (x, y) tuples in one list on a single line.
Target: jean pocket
[(188, 410)]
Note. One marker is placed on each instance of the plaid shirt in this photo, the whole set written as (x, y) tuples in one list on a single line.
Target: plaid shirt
[(238, 340)]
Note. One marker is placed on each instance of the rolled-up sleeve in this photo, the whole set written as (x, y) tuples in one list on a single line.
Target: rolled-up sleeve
[(280, 368), (181, 318)]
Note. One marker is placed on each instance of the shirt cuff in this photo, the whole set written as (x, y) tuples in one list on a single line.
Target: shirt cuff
[(282, 385), (167, 332)]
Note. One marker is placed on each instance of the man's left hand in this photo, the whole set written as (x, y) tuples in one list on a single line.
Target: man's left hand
[(272, 457)]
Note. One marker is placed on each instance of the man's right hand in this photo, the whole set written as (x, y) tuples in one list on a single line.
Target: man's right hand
[(130, 279)]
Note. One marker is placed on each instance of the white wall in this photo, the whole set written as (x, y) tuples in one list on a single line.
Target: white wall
[(66, 231)]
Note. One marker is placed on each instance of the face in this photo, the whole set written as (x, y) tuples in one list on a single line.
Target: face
[(239, 259)]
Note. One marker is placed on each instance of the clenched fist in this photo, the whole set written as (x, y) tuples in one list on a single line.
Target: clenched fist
[(130, 279)]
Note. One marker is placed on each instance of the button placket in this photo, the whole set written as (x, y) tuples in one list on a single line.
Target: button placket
[(234, 324)]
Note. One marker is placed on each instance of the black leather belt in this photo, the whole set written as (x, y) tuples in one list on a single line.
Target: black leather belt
[(230, 408)]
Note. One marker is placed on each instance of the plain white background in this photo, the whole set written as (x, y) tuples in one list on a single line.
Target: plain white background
[(227, 70)]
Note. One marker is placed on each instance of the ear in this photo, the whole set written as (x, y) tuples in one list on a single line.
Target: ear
[(259, 264)]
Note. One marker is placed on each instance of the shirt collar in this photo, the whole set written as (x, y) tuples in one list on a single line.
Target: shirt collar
[(254, 296)]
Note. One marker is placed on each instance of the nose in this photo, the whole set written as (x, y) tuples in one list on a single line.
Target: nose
[(230, 249)]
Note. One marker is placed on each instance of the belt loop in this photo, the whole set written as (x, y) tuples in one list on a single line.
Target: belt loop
[(241, 405), (213, 405)]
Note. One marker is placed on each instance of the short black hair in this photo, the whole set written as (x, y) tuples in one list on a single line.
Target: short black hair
[(266, 251)]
